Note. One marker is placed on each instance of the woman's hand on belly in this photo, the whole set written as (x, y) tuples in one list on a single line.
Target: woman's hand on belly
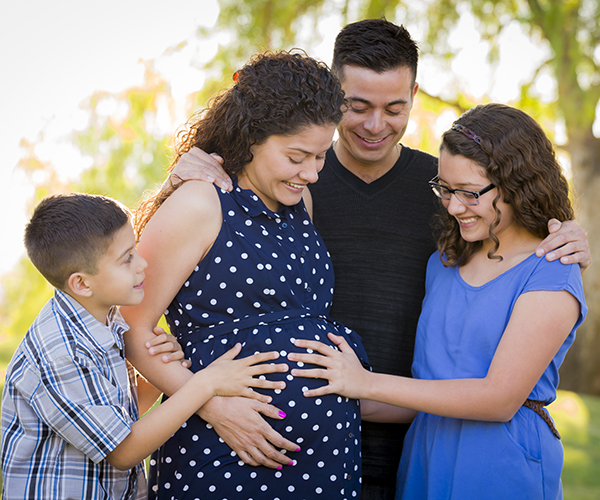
[(238, 421)]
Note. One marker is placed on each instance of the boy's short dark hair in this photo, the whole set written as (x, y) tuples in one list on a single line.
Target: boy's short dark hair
[(374, 44), (69, 233)]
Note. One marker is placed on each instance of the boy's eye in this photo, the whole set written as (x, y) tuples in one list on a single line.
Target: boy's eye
[(295, 162), (129, 258)]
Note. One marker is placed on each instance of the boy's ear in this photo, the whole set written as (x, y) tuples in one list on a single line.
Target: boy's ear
[(78, 283)]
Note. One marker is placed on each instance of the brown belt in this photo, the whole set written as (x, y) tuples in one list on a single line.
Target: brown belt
[(538, 407)]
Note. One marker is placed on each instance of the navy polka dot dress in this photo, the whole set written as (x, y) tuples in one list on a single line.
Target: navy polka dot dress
[(266, 281)]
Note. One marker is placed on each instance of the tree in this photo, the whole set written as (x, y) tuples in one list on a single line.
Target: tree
[(129, 152), (571, 32), (128, 146)]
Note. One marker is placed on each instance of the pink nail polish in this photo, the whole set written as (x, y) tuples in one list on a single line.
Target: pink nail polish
[(282, 414), (280, 467), (298, 449), (291, 463)]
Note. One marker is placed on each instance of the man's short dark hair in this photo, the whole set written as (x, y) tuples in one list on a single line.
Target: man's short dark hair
[(69, 233), (374, 44)]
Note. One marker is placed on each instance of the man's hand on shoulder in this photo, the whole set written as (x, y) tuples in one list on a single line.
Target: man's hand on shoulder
[(201, 166), (568, 242)]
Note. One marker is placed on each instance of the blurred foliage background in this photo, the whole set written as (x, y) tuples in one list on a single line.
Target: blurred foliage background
[(129, 151)]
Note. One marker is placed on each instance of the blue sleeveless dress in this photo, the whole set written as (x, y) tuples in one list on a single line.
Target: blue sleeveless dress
[(458, 332), (266, 281)]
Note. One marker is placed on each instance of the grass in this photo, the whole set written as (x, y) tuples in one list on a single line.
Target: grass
[(577, 418)]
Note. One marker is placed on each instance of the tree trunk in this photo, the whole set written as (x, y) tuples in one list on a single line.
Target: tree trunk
[(580, 371)]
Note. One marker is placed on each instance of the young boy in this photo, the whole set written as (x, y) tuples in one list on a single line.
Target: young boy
[(70, 425)]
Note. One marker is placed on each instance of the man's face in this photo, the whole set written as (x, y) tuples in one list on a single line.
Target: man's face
[(379, 108)]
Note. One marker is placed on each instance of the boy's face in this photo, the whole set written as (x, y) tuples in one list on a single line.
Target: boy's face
[(120, 276)]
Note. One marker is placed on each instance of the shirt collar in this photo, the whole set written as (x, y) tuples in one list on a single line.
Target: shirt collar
[(104, 336), (254, 206)]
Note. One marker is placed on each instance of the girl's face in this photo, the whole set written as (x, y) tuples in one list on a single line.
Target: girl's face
[(458, 172), (283, 166)]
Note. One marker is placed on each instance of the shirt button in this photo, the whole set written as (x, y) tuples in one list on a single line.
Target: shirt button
[(284, 225), (350, 435), (308, 289)]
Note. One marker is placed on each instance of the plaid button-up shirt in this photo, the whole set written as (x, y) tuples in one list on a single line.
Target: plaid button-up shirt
[(68, 401)]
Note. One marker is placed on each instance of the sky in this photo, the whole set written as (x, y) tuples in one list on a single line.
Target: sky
[(53, 54)]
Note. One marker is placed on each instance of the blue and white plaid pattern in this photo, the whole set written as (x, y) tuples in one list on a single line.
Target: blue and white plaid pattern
[(68, 401)]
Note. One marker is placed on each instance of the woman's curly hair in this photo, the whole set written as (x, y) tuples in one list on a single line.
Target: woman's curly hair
[(275, 93), (520, 161)]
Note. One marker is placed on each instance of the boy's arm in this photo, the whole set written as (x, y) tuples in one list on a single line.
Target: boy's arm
[(155, 428), (76, 400), (223, 377)]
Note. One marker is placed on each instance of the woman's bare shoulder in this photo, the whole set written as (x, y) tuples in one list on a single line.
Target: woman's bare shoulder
[(195, 195), (193, 204)]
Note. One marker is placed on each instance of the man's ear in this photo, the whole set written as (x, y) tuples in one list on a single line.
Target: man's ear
[(79, 284), (415, 90)]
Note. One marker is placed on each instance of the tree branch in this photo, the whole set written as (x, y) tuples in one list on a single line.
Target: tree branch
[(455, 103)]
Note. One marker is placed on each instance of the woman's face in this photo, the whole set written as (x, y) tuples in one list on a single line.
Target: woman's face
[(458, 172), (283, 166)]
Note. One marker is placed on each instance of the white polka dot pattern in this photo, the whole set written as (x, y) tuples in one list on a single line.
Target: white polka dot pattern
[(266, 281)]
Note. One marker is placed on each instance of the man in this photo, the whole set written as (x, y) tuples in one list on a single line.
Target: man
[(374, 208)]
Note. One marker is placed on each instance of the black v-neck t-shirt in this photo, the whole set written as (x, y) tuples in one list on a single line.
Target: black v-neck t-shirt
[(380, 237)]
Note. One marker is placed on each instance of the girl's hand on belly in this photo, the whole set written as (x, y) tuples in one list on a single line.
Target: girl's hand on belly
[(342, 368)]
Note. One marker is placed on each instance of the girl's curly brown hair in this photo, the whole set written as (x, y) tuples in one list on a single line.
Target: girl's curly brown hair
[(275, 93), (520, 161)]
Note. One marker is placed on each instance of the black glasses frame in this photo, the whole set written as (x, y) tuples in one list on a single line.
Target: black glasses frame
[(440, 189)]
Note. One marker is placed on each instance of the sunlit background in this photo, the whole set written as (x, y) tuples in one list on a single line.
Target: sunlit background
[(55, 54)]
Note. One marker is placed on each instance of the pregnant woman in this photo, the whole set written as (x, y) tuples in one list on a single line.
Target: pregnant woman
[(248, 266)]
